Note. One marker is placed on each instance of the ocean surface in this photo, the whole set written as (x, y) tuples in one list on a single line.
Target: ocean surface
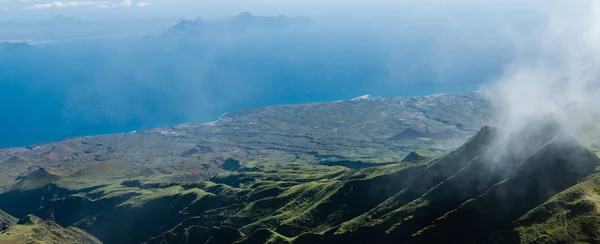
[(89, 87)]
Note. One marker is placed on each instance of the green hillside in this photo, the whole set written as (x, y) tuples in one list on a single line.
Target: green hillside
[(235, 185), (32, 229)]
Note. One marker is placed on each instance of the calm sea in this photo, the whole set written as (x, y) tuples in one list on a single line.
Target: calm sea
[(76, 88)]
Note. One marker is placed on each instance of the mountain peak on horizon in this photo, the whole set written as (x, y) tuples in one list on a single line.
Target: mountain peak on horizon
[(240, 23), (245, 15)]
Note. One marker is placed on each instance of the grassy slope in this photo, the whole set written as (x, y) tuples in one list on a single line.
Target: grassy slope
[(291, 200), (571, 216), (401, 201), (165, 185), (279, 205), (35, 230)]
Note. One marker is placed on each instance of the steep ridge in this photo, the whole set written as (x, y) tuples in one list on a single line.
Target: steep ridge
[(329, 211), (439, 170), (491, 189), (478, 175), (555, 167), (483, 172)]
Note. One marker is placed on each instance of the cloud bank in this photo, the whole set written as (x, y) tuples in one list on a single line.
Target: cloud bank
[(92, 4), (555, 75)]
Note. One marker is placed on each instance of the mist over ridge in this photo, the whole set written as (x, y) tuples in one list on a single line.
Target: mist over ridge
[(556, 80)]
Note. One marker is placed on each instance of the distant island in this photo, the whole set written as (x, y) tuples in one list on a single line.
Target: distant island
[(15, 46), (242, 22)]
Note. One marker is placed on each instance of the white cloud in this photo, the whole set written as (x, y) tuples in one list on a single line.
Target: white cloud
[(125, 3), (92, 4), (129, 3), (556, 75), (59, 4)]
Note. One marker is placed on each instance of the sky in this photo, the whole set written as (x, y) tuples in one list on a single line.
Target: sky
[(34, 10)]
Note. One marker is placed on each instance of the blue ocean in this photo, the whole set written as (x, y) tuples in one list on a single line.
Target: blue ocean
[(74, 88)]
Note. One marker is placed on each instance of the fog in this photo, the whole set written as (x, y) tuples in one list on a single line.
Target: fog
[(555, 75)]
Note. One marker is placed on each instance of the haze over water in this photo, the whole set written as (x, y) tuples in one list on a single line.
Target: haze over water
[(101, 82)]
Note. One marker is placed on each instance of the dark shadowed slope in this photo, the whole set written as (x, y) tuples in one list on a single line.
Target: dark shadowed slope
[(315, 173), (555, 167), (400, 202)]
